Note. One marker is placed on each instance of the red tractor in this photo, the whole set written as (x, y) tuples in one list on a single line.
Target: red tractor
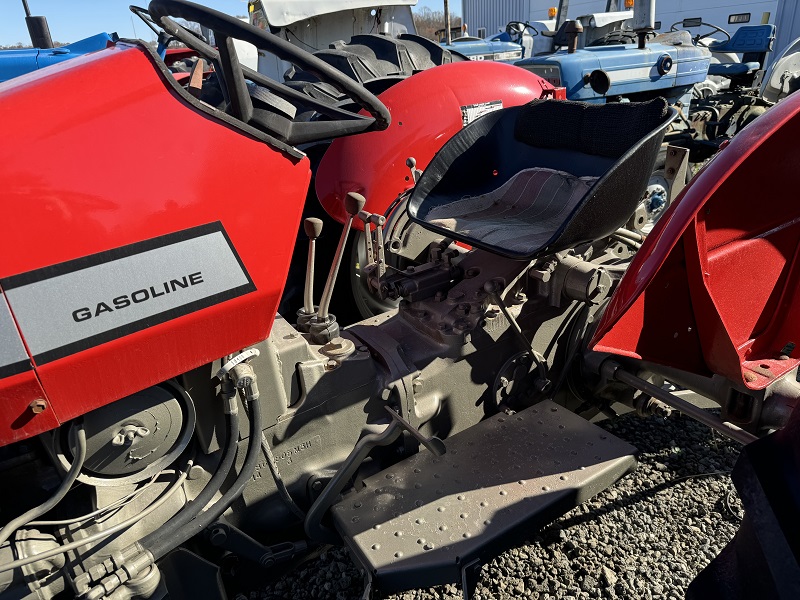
[(159, 418)]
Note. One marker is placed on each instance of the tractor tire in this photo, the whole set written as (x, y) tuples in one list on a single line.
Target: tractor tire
[(375, 61)]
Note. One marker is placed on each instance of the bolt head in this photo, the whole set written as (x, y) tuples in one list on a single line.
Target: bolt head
[(38, 406)]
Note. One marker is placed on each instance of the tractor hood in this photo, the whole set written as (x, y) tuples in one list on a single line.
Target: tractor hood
[(668, 64), (713, 288)]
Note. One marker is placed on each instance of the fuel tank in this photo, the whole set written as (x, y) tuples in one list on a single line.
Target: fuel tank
[(134, 246), (715, 286), (427, 110)]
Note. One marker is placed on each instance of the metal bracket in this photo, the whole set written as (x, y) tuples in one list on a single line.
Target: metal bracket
[(228, 537), (369, 589), (675, 168), (313, 524), (433, 444), (470, 575)]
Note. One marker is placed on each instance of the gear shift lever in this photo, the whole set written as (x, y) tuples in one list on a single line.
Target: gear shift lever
[(313, 228), (323, 327)]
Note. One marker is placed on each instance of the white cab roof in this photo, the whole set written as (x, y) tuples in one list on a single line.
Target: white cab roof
[(281, 13)]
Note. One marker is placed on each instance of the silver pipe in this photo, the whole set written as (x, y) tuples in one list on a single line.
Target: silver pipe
[(325, 302), (690, 410)]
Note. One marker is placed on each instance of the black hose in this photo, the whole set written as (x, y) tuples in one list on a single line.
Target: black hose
[(164, 544), (74, 470), (193, 508)]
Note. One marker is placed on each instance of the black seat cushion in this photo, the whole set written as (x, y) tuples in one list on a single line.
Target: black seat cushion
[(599, 129), (520, 215), (540, 178)]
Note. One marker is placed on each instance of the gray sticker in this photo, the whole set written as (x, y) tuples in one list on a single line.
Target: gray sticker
[(125, 290), (13, 357), (471, 112)]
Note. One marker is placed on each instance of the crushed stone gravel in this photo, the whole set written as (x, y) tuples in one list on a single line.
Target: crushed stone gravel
[(645, 537)]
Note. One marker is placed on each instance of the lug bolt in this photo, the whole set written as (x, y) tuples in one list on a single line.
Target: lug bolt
[(38, 406)]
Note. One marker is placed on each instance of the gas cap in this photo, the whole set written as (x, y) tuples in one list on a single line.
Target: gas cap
[(664, 64)]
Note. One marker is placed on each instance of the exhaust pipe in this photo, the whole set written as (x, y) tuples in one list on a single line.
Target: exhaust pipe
[(644, 14), (37, 29)]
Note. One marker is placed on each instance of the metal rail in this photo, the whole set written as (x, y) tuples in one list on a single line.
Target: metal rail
[(690, 410)]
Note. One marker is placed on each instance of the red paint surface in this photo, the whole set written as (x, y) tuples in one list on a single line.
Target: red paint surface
[(713, 287), (426, 112), (16, 417), (92, 161)]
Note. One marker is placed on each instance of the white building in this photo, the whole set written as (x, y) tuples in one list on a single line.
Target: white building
[(486, 17)]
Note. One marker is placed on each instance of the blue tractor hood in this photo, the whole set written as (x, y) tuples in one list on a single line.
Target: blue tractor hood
[(670, 65), (498, 48)]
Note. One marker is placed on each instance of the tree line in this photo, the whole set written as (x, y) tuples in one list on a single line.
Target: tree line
[(428, 22)]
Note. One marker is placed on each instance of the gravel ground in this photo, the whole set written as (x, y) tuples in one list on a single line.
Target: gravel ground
[(646, 537)]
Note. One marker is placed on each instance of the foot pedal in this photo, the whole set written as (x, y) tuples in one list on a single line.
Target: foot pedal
[(429, 519)]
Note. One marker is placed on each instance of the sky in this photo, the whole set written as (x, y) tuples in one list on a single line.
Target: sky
[(74, 20)]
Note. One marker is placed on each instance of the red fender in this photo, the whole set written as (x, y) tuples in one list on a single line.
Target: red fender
[(427, 110), (713, 287)]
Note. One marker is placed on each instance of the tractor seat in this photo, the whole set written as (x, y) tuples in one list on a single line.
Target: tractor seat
[(536, 179), (733, 69), (748, 39)]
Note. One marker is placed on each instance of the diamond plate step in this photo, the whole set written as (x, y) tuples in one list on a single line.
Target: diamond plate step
[(423, 521)]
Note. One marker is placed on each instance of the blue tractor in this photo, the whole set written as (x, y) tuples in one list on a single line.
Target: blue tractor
[(14, 63), (507, 46)]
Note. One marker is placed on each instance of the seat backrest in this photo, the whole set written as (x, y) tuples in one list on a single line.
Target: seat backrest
[(560, 36), (750, 39), (600, 129)]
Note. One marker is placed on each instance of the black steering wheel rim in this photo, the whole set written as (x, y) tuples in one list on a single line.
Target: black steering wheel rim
[(227, 28), (523, 26), (699, 37)]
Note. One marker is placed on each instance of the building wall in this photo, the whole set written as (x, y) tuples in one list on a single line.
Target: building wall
[(789, 14), (494, 14)]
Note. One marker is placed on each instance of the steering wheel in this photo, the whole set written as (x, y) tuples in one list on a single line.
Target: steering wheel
[(516, 29), (698, 37), (233, 75)]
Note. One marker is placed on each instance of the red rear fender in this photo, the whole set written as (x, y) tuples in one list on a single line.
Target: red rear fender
[(714, 286), (427, 110)]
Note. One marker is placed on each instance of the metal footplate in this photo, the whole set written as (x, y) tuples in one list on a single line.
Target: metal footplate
[(433, 520)]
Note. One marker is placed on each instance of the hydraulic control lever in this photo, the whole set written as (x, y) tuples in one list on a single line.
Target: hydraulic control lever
[(380, 254), (313, 229), (365, 218), (323, 326), (375, 264), (411, 163)]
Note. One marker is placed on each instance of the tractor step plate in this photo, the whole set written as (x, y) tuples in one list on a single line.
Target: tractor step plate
[(431, 520)]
